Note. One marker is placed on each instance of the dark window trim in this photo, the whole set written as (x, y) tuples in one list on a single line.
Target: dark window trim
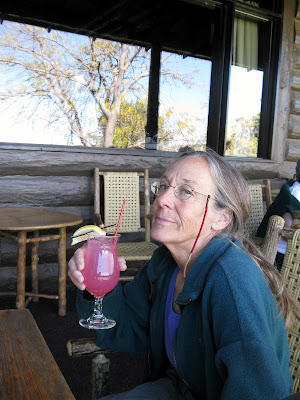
[(221, 60), (269, 94), (221, 64)]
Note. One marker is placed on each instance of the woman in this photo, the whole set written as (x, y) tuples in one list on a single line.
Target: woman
[(286, 202), (204, 306)]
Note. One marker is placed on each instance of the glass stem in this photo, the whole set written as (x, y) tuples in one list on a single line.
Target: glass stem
[(98, 307)]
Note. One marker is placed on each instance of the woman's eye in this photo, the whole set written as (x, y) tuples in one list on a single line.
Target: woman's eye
[(163, 186), (185, 190)]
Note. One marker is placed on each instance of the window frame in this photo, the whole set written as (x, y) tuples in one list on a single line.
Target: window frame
[(220, 77)]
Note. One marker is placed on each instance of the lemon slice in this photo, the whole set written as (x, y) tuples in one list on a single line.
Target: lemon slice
[(84, 232)]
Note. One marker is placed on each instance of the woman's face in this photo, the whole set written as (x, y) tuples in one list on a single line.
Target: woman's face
[(177, 222)]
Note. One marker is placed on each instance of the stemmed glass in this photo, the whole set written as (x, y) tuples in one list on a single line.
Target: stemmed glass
[(101, 274)]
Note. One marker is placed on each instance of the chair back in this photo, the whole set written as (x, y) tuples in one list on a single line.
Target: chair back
[(118, 186), (290, 272), (257, 210), (259, 194)]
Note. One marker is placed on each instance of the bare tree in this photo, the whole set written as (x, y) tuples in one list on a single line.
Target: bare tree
[(73, 73)]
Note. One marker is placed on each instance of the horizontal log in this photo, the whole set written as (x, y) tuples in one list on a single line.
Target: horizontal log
[(250, 169), (287, 170), (50, 191), (295, 82), (296, 57), (293, 150), (295, 103), (46, 160), (294, 126), (79, 161)]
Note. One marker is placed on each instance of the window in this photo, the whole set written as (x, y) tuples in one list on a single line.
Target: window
[(231, 80), (241, 47), (234, 105)]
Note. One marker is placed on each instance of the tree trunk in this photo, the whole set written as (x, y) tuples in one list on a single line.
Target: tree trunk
[(109, 131)]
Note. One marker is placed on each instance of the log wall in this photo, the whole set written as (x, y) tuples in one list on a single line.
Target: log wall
[(293, 137), (61, 178)]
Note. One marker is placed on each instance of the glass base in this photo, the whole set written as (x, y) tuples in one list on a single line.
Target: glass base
[(97, 323)]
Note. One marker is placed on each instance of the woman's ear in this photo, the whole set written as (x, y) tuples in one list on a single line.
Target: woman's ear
[(224, 217)]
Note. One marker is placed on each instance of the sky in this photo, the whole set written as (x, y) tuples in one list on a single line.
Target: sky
[(14, 128)]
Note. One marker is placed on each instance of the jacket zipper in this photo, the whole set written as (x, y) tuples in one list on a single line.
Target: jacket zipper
[(173, 353), (149, 354)]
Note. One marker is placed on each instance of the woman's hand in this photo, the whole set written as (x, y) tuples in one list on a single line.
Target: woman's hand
[(76, 265)]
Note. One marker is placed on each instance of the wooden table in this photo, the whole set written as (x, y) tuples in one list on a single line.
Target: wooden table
[(28, 370), (15, 223)]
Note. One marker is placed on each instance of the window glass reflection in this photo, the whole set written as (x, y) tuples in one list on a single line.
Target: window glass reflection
[(183, 103)]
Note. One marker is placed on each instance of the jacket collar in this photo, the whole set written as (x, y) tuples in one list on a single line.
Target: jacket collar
[(196, 279), (162, 264)]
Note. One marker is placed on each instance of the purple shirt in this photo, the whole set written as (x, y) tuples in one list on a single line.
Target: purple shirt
[(171, 318)]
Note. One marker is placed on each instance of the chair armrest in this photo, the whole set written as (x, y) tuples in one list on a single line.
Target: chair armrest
[(272, 238), (288, 233), (98, 221)]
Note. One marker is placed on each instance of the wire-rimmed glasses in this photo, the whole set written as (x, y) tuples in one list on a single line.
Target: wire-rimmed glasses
[(181, 191)]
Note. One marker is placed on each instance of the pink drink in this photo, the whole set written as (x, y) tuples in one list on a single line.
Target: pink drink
[(101, 272)]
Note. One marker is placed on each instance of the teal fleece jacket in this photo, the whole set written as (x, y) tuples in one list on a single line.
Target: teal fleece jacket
[(231, 343), (283, 202)]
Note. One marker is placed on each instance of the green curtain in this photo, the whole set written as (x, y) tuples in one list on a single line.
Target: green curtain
[(245, 42)]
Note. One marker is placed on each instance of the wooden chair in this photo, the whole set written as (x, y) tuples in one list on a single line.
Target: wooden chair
[(290, 272), (261, 200), (118, 186), (260, 193)]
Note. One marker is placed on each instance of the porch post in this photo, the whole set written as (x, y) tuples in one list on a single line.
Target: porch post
[(153, 96)]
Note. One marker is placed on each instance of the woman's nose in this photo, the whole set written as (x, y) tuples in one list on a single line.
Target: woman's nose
[(167, 198)]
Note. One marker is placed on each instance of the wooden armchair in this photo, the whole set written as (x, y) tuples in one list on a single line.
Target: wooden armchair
[(261, 200), (118, 186), (259, 193), (290, 272)]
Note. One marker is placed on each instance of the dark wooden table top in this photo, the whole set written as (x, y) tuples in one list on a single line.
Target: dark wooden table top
[(15, 219), (28, 370)]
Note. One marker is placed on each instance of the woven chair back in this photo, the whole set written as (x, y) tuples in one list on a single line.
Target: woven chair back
[(290, 272), (117, 187), (257, 210)]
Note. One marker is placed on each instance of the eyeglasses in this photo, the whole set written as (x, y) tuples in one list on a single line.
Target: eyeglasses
[(182, 192)]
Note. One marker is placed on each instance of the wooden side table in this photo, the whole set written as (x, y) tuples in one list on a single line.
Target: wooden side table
[(15, 223)]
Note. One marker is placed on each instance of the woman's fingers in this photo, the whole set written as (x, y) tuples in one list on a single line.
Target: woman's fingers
[(122, 264), (76, 265)]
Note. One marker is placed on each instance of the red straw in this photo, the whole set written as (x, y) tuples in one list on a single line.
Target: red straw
[(119, 220)]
